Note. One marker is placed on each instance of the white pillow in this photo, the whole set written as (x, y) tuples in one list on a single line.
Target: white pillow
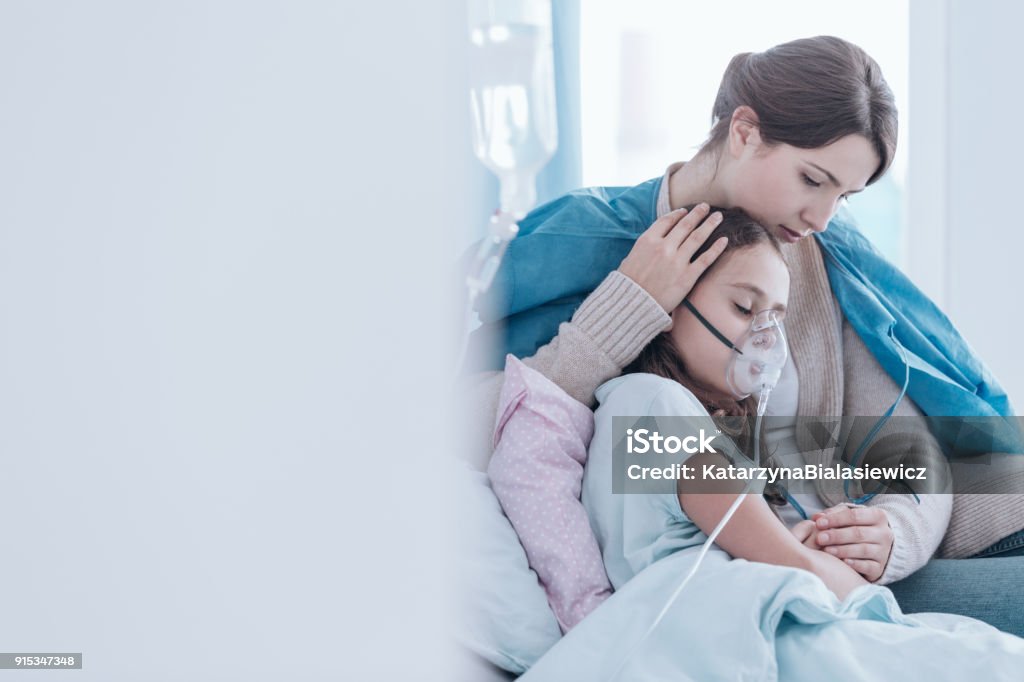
[(505, 617)]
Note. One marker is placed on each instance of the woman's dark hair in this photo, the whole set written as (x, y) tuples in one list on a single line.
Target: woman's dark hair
[(809, 93)]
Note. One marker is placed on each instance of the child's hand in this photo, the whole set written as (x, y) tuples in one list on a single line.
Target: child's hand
[(804, 532), (860, 536), (837, 576)]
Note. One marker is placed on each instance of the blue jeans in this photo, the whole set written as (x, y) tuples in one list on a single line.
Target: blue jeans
[(987, 586)]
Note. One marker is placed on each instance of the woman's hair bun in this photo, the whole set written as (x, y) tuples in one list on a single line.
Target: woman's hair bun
[(808, 93)]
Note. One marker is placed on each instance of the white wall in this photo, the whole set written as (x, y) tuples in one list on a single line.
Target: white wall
[(966, 173), (223, 227)]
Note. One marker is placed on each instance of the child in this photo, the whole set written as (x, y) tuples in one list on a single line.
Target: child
[(746, 614), (685, 372)]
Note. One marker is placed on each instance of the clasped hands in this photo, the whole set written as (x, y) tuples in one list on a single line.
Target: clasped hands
[(860, 536)]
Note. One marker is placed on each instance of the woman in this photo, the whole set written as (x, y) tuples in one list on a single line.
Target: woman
[(797, 129)]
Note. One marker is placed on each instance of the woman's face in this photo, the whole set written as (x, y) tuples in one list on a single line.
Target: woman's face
[(795, 192), (742, 283)]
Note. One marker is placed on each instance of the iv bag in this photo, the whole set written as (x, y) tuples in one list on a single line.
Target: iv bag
[(512, 95)]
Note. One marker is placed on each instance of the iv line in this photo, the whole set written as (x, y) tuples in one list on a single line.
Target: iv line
[(502, 230)]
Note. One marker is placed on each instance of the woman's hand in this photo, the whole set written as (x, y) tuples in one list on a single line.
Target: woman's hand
[(860, 536), (660, 259)]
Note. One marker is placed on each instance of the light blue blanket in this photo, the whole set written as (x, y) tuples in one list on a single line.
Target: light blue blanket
[(739, 620)]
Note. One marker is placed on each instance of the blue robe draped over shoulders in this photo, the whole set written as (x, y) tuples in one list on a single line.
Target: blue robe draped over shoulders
[(566, 247)]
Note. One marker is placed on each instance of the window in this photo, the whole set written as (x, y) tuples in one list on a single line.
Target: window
[(649, 72)]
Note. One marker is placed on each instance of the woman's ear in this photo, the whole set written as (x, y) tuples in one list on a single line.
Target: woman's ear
[(743, 131)]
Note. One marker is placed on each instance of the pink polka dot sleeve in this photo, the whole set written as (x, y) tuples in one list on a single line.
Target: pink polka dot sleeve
[(541, 440)]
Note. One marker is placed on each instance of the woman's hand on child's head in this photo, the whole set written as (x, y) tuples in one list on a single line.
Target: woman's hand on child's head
[(660, 259), (860, 536)]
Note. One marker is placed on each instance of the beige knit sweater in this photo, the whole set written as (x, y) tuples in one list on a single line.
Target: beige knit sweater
[(837, 376)]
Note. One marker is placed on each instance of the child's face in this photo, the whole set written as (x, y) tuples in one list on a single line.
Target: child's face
[(748, 281)]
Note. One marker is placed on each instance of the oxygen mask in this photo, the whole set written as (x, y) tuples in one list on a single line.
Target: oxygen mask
[(758, 356)]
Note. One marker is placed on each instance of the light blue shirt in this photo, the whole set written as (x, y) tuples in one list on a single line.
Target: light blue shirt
[(634, 530)]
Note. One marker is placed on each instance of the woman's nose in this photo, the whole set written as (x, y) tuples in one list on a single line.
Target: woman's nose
[(818, 215)]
